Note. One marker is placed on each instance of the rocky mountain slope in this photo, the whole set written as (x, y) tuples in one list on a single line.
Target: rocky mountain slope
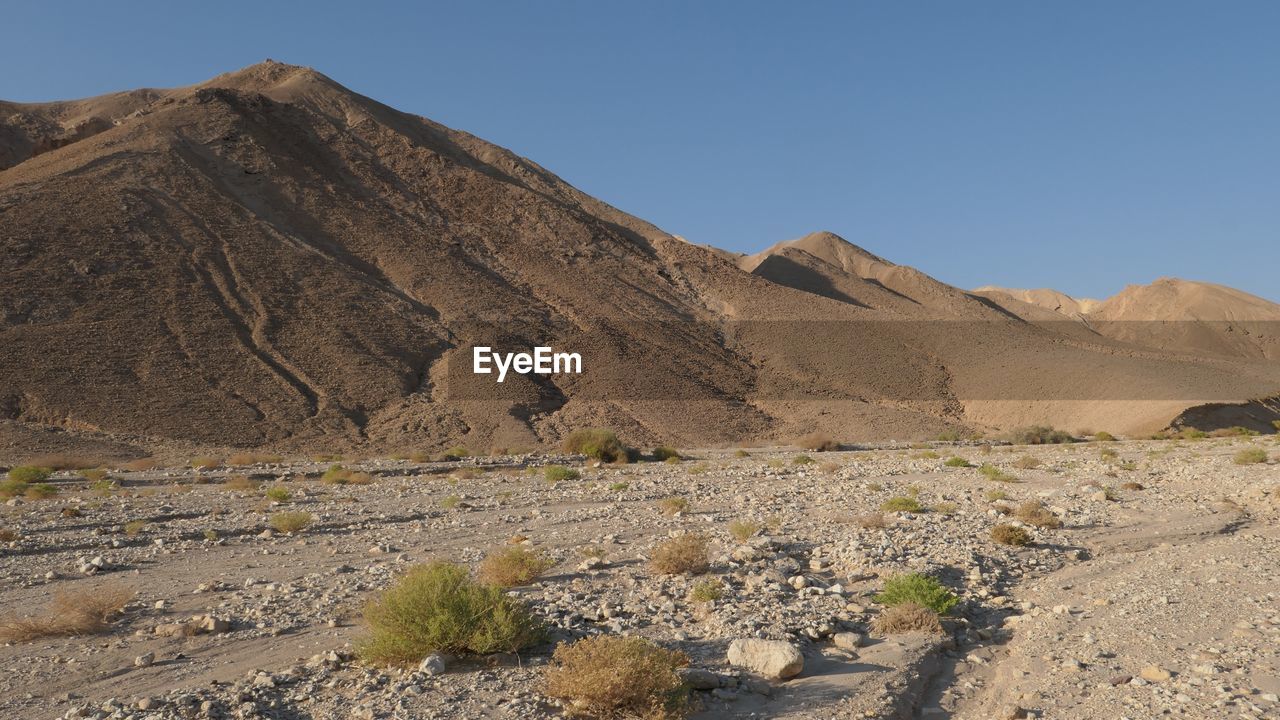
[(268, 258)]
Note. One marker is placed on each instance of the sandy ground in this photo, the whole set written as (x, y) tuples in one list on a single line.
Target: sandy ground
[(1157, 602)]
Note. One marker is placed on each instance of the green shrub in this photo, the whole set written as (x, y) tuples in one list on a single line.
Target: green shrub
[(948, 436), (957, 462), (133, 527), (801, 460), (1104, 436), (560, 473), (707, 591), (665, 453), (450, 502), (1250, 456), (744, 453), (1006, 534), (30, 474), (1040, 435), (512, 565), (456, 452), (438, 608), (598, 443), (40, 491), (673, 505), (994, 495), (278, 493), (919, 589), (618, 486), (607, 676), (991, 472), (290, 522), (743, 530), (902, 504)]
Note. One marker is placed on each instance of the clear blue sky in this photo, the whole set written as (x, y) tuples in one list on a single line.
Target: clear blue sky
[(1078, 145)]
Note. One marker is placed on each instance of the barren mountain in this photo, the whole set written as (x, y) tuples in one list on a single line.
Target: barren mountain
[(268, 258)]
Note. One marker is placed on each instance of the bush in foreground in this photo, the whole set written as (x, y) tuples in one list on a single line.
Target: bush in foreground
[(919, 589), (598, 443), (512, 565), (1006, 534), (1250, 456), (560, 473), (909, 617), (30, 474), (71, 614), (614, 677), (902, 504), (682, 555), (437, 607), (290, 522)]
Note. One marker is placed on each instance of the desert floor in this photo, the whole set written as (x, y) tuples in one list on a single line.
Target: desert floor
[(1159, 601)]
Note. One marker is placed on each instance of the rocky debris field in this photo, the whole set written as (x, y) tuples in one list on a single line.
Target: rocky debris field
[(1146, 586)]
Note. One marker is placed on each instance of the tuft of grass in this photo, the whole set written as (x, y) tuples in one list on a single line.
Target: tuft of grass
[(455, 453), (1035, 513), (673, 505), (919, 589), (948, 436), (206, 463), (40, 491), (1027, 462), (1040, 435), (991, 472), (957, 461), (7, 535), (944, 508), (71, 614), (682, 555), (743, 530), (618, 486), (1108, 454), (1104, 436), (210, 534), (597, 443), (871, 521), (908, 617), (607, 676), (133, 527), (30, 474), (139, 464), (512, 565), (1249, 456), (741, 454), (560, 473), (1007, 534), (94, 475), (995, 495), (437, 607), (902, 504), (663, 453), (707, 591), (699, 468), (278, 493), (250, 458), (240, 482), (818, 442), (291, 522), (450, 502), (802, 460)]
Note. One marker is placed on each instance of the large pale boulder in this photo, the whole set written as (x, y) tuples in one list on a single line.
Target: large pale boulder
[(773, 659)]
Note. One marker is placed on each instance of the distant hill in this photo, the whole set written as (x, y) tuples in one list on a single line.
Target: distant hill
[(270, 259)]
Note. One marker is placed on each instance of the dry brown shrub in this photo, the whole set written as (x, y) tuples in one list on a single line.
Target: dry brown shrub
[(618, 677), (8, 536), (818, 442), (206, 463), (140, 464), (907, 618), (1006, 534), (1027, 462), (71, 614), (1035, 513), (871, 521), (511, 566), (682, 555), (240, 482), (252, 458), (1133, 486)]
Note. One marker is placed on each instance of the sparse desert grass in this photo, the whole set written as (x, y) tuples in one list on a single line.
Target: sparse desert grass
[(1236, 431), (251, 458), (240, 482), (134, 527), (802, 460), (1033, 512), (699, 468), (991, 472), (1276, 424), (560, 473), (775, 463), (957, 461), (140, 464), (908, 617), (618, 486), (994, 495), (741, 454), (1027, 462), (919, 589), (743, 530), (1040, 435), (30, 474), (944, 508), (71, 614), (455, 453), (290, 522), (948, 436), (673, 505), (708, 590), (1006, 534), (438, 608), (829, 467), (339, 475), (902, 504), (607, 677), (681, 555), (1103, 436), (926, 455), (210, 534), (450, 502), (593, 551), (8, 535), (874, 487), (64, 462), (818, 442), (662, 453), (94, 475), (206, 463), (1249, 456), (40, 491), (870, 521), (1108, 453), (597, 443), (278, 493), (512, 565)]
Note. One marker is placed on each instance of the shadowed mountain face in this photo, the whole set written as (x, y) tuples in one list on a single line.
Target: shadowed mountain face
[(269, 258)]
